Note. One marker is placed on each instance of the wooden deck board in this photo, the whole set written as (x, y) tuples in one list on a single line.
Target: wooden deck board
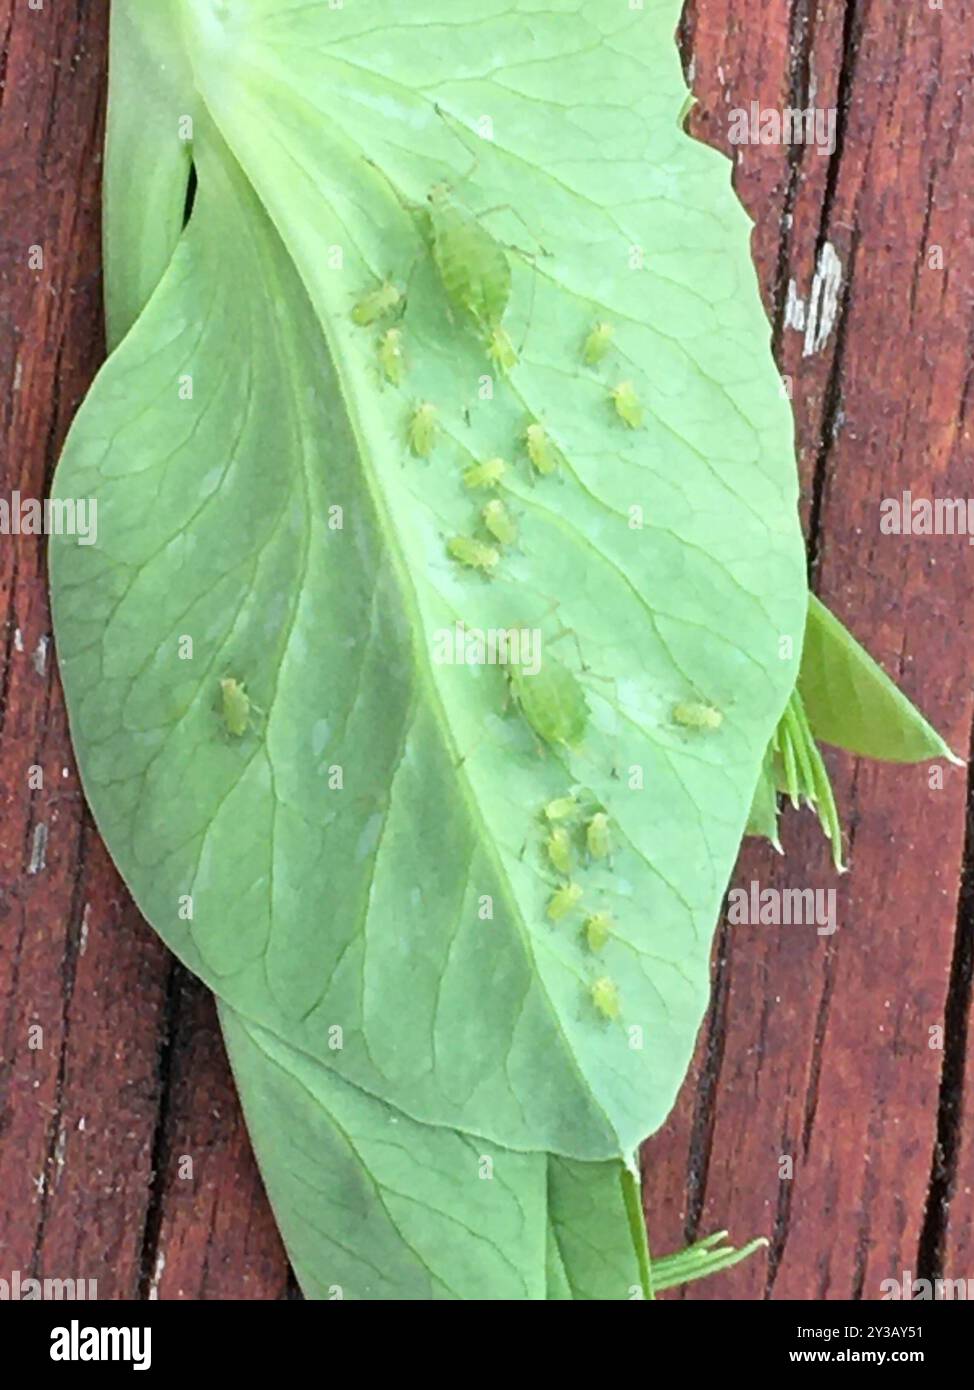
[(123, 1156)]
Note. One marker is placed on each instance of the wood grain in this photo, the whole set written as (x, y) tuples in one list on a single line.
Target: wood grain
[(818, 1048), (123, 1156)]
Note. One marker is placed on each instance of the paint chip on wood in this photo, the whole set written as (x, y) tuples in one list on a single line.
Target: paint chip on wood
[(40, 655), (823, 302), (794, 308), (38, 853), (157, 1276)]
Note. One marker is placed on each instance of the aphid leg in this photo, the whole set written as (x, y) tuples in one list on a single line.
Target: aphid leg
[(570, 632), (509, 207), (527, 326), (403, 303), (470, 751), (412, 208)]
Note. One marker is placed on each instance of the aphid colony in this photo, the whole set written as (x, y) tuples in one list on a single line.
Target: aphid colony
[(573, 832), (475, 274)]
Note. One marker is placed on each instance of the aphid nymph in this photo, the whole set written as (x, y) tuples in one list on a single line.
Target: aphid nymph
[(563, 901), (486, 474), (543, 454), (499, 522), (598, 929), (605, 997), (235, 706), (377, 304), (597, 344), (559, 847), (473, 554), (627, 404), (391, 355), (561, 808), (597, 836), (693, 714), (422, 430)]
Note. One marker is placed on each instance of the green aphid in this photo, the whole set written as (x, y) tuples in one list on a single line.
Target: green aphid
[(473, 554), (543, 454), (692, 714), (552, 701), (562, 808), (501, 350), (597, 836), (472, 264), (559, 847), (597, 344), (422, 430), (486, 474), (391, 358), (605, 997), (236, 706), (499, 522), (627, 404), (563, 901), (598, 929), (377, 304)]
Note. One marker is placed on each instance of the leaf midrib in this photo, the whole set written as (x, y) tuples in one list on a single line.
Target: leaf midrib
[(421, 666)]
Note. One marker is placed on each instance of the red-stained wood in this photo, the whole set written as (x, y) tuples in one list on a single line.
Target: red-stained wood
[(122, 1079), (123, 1156), (819, 1048)]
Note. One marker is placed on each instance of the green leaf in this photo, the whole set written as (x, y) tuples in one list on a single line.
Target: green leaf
[(559, 1289), (365, 849), (374, 1206), (148, 146), (852, 703), (699, 1261), (763, 817), (843, 697), (799, 770), (597, 1231)]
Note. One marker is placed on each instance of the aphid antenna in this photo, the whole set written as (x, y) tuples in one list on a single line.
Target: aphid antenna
[(404, 302), (528, 320), (454, 126), (510, 245), (229, 676), (452, 122), (413, 209), (564, 631), (373, 164)]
